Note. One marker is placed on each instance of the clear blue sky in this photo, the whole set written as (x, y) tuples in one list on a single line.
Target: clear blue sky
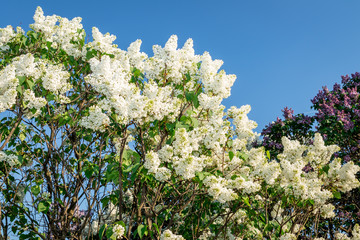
[(282, 51)]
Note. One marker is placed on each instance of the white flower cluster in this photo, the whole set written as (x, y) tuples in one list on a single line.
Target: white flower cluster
[(170, 63), (60, 35), (102, 42), (312, 185), (242, 123), (7, 35), (209, 102), (217, 189), (54, 78), (167, 68), (136, 58), (25, 66), (97, 120), (217, 83), (45, 195), (344, 174), (152, 163), (356, 232), (32, 102), (8, 85), (185, 163), (168, 235), (277, 212), (288, 236), (247, 175), (207, 234), (118, 231), (111, 78), (185, 156), (11, 159), (129, 197), (327, 211)]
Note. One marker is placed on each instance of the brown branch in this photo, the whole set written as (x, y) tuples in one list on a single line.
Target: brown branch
[(11, 132)]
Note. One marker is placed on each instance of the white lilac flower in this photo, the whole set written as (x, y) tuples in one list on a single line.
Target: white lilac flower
[(118, 231), (55, 79), (8, 85), (129, 198), (25, 66), (152, 161), (242, 123), (136, 58), (162, 174), (97, 120), (102, 42), (168, 235), (327, 211), (6, 35), (10, 159), (218, 190), (288, 236), (32, 102)]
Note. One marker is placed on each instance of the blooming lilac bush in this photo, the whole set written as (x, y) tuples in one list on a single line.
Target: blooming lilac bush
[(338, 114), (103, 143), (338, 120), (296, 127), (338, 117)]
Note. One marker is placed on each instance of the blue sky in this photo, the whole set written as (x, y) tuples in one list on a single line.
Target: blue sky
[(282, 51)]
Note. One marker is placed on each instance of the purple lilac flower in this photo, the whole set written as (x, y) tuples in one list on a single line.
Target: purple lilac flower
[(345, 79), (288, 113)]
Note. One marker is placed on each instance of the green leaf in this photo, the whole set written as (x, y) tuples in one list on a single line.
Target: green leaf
[(201, 176), (131, 168), (48, 44), (30, 83), (22, 136), (268, 154), (189, 96), (326, 169), (35, 190), (229, 143), (192, 97), (50, 97), (156, 227), (195, 122), (21, 159), (43, 207), (231, 155), (89, 172), (109, 233), (121, 223), (246, 201), (19, 89), (141, 229), (89, 55), (300, 204), (243, 156), (337, 195), (102, 231), (21, 79), (311, 202)]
